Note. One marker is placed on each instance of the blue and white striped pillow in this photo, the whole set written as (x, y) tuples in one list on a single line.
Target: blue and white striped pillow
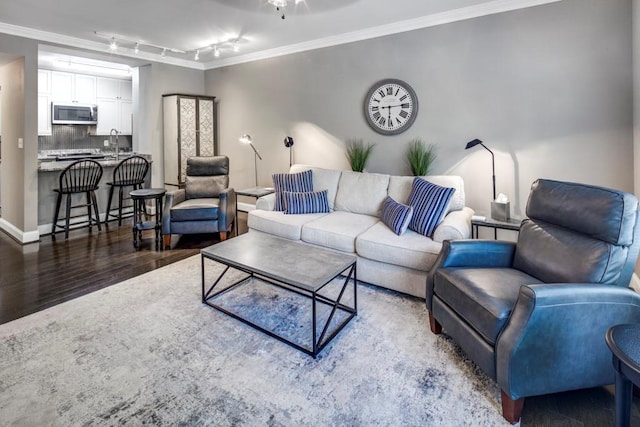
[(295, 182), (395, 215), (305, 203), (430, 203)]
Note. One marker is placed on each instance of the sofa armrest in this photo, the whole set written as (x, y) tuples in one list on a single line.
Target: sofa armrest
[(266, 203), (171, 199), (455, 225), (227, 209), (554, 339), (470, 253)]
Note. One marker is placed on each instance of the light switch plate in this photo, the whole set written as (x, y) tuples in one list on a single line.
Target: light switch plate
[(20, 143)]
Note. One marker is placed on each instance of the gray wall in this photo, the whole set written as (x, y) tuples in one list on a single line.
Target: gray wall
[(155, 80), (19, 120), (548, 88)]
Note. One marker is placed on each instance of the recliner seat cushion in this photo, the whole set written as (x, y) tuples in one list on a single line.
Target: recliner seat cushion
[(338, 230), (195, 210), (483, 297), (411, 250)]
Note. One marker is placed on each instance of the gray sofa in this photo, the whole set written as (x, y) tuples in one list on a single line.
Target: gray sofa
[(385, 259)]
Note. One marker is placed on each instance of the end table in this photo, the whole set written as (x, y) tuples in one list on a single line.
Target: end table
[(139, 197)]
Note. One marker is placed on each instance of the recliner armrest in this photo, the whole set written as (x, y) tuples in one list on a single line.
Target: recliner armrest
[(470, 253), (227, 209), (554, 339), (171, 199)]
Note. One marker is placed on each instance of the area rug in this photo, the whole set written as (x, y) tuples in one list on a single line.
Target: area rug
[(147, 351)]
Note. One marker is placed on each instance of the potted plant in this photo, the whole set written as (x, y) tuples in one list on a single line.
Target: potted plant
[(420, 157), (358, 153)]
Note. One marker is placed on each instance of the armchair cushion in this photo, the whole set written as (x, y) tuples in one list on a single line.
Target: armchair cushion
[(483, 296), (196, 210), (198, 187)]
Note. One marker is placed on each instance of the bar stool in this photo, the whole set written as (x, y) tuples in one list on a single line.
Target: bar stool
[(81, 176), (130, 172)]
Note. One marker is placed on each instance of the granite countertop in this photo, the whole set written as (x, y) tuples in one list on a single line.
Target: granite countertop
[(55, 166)]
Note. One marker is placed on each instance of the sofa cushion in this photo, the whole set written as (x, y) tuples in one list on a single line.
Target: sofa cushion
[(195, 210), (483, 297), (279, 224), (361, 193), (412, 250), (338, 230), (396, 215), (298, 182), (323, 179), (400, 188), (305, 203), (430, 203)]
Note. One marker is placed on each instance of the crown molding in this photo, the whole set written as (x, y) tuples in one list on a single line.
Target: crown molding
[(59, 39), (484, 9)]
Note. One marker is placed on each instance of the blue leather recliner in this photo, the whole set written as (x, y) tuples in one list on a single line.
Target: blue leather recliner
[(533, 314), (206, 204)]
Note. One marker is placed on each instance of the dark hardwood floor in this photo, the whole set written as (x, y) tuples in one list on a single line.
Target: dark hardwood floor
[(38, 276)]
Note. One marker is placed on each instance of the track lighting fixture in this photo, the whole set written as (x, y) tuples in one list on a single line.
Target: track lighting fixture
[(136, 48), (196, 57), (113, 45)]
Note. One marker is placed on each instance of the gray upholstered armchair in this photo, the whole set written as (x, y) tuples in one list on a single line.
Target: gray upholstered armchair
[(533, 314), (205, 204)]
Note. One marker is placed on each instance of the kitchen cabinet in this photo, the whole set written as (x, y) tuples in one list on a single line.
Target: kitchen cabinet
[(115, 106), (44, 102), (189, 130), (73, 88)]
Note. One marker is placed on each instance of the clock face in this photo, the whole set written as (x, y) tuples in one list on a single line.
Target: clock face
[(391, 106)]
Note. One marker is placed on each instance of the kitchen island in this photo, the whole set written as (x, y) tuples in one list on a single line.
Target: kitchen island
[(48, 179)]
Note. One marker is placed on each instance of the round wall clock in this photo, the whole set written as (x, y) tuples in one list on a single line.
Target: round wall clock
[(391, 106)]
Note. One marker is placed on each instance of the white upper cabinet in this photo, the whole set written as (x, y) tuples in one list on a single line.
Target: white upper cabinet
[(114, 105), (73, 88), (44, 102)]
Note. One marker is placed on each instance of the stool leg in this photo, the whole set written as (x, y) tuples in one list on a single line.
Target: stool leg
[(55, 215), (120, 206), (624, 398), (94, 200), (89, 212), (107, 214), (66, 220)]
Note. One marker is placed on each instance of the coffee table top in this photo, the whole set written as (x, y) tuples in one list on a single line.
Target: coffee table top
[(303, 266)]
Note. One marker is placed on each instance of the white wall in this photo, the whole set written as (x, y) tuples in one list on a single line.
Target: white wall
[(548, 88)]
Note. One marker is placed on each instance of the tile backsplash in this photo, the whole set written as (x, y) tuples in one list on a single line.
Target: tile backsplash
[(78, 137)]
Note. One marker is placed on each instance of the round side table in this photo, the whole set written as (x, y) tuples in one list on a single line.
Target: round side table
[(139, 224), (624, 342)]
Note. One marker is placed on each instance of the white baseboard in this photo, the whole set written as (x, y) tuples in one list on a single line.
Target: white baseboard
[(19, 235), (245, 207)]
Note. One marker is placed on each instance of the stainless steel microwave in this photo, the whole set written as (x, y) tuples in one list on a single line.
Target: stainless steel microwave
[(74, 114)]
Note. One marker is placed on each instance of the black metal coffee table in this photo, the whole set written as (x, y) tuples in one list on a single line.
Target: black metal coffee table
[(294, 266)]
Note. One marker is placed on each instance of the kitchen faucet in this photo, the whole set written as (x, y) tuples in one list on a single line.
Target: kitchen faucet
[(111, 143)]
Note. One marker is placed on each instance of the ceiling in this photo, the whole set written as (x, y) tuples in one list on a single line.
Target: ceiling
[(260, 31)]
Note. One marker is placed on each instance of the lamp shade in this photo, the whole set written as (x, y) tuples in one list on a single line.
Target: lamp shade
[(288, 142), (245, 139), (473, 143)]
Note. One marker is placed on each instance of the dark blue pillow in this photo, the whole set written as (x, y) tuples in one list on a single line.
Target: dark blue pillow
[(395, 215), (430, 203), (305, 203), (296, 182)]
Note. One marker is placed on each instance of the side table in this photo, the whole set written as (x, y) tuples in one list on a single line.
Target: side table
[(624, 342), (256, 192), (139, 224), (511, 224)]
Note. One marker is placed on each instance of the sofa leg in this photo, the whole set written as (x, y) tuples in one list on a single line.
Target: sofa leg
[(436, 327), (511, 409), (223, 236), (166, 240)]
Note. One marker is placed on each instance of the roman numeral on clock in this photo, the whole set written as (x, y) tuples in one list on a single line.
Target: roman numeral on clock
[(389, 90), (381, 92), (376, 116), (403, 114), (403, 97), (375, 108)]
